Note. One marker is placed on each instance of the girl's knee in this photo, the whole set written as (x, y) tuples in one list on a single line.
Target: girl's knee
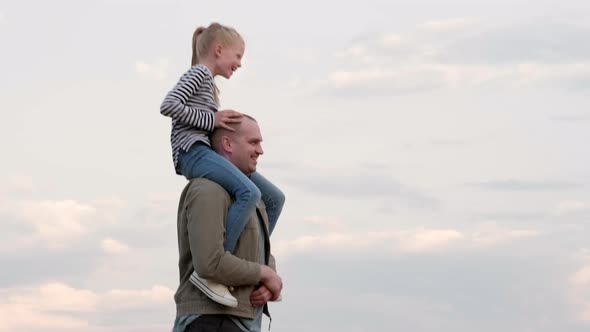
[(251, 194), (280, 197), (256, 194), (274, 198)]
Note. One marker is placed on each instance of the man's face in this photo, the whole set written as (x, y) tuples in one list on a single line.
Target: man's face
[(246, 146)]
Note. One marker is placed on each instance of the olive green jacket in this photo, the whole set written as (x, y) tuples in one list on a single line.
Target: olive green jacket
[(201, 232)]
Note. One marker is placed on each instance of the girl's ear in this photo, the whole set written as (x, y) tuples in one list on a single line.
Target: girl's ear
[(218, 49)]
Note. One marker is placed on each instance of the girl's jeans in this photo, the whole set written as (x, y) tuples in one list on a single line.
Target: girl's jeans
[(201, 161)]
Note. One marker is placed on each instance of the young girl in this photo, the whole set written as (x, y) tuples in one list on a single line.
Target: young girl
[(192, 105)]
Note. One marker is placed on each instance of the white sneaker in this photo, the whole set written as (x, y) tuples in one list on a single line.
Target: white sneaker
[(214, 290)]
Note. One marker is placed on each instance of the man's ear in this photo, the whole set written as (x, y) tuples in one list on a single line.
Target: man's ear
[(226, 143)]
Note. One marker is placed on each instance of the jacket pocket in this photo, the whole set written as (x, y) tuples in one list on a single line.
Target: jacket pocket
[(247, 247)]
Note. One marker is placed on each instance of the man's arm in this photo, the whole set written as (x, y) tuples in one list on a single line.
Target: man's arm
[(272, 263), (206, 207), (269, 280)]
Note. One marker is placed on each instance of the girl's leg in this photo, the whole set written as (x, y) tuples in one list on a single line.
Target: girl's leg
[(202, 161), (273, 198)]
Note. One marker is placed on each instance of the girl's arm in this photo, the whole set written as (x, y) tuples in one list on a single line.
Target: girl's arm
[(174, 105)]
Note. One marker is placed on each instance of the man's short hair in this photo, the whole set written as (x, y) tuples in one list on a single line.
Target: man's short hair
[(215, 137)]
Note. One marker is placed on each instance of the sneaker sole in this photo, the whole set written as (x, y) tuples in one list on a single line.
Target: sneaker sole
[(212, 295)]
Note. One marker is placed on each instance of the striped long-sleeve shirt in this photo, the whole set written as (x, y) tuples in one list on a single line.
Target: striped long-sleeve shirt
[(191, 106)]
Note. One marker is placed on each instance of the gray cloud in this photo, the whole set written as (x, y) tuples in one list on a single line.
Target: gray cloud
[(38, 265), (547, 41), (145, 227), (362, 187), (484, 291), (511, 217), (147, 232), (470, 54), (572, 118), (524, 185), (383, 87)]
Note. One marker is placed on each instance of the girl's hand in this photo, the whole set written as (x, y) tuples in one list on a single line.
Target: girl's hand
[(224, 118)]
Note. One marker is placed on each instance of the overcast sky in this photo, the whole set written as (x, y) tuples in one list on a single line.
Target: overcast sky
[(433, 153)]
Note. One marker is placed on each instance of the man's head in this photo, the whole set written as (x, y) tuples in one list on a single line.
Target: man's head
[(241, 147)]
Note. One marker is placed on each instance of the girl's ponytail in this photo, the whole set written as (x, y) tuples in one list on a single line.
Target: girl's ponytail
[(196, 35)]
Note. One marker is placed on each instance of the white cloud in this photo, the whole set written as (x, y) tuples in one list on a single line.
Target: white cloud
[(580, 287), (17, 183), (302, 55), (110, 202), (323, 221), (124, 299), (426, 75), (450, 24), (343, 78), (492, 234), (59, 307), (53, 222), (17, 317), (58, 297), (112, 246), (571, 206), (59, 224), (390, 39), (49, 307), (428, 239), (527, 73), (420, 240), (390, 62), (359, 54), (352, 52), (294, 83), (157, 69), (21, 182), (406, 311), (388, 242), (414, 76), (582, 277), (111, 208)]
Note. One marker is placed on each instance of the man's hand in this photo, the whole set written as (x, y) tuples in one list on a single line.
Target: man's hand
[(224, 118), (260, 296), (271, 280)]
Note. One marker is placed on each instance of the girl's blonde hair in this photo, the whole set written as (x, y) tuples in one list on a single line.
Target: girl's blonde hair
[(204, 38)]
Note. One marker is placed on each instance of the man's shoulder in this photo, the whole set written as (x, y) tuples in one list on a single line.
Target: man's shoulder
[(202, 186)]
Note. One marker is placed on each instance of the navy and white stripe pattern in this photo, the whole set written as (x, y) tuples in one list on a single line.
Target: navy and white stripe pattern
[(191, 106)]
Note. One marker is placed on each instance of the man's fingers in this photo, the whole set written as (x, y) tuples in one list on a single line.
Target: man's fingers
[(260, 296), (260, 300), (260, 293)]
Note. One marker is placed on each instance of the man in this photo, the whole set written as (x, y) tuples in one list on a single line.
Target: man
[(201, 224)]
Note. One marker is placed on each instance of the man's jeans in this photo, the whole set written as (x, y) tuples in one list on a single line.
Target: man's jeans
[(213, 323)]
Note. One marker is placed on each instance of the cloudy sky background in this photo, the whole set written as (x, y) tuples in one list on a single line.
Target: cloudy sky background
[(433, 154)]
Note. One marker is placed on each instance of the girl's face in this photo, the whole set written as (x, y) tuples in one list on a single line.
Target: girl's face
[(229, 58)]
